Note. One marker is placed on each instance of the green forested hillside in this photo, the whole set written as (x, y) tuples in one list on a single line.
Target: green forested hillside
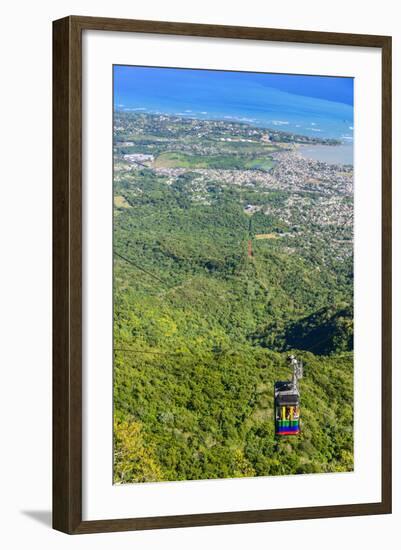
[(202, 325), (326, 331)]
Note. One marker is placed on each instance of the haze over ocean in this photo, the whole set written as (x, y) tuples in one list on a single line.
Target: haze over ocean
[(316, 106)]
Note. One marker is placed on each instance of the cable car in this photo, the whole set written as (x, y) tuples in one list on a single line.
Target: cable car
[(286, 401)]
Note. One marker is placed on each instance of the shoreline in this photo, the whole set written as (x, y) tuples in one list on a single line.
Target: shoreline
[(237, 121)]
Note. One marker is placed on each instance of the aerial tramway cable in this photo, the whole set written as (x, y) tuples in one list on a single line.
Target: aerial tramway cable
[(139, 267)]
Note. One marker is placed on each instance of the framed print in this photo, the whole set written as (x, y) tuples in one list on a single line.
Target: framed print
[(222, 275)]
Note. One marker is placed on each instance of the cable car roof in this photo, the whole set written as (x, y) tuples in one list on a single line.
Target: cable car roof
[(287, 399)]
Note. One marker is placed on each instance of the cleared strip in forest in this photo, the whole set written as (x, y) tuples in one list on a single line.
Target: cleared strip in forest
[(261, 236)]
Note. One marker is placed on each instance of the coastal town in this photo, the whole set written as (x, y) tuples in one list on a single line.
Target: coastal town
[(308, 201)]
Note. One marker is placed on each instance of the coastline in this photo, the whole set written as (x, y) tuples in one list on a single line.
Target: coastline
[(331, 154)]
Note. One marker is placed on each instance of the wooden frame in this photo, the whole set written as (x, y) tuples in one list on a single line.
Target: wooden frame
[(67, 278)]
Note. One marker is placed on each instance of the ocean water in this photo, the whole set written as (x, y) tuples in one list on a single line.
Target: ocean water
[(340, 154), (238, 97)]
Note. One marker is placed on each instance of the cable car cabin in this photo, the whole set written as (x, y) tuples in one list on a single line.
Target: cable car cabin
[(286, 405)]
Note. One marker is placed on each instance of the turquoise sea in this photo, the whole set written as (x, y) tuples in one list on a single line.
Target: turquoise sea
[(307, 105)]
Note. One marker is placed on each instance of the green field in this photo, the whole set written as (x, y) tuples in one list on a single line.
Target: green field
[(181, 160)]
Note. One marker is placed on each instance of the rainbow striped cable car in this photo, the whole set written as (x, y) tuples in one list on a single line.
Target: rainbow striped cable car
[(287, 409), (286, 401)]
